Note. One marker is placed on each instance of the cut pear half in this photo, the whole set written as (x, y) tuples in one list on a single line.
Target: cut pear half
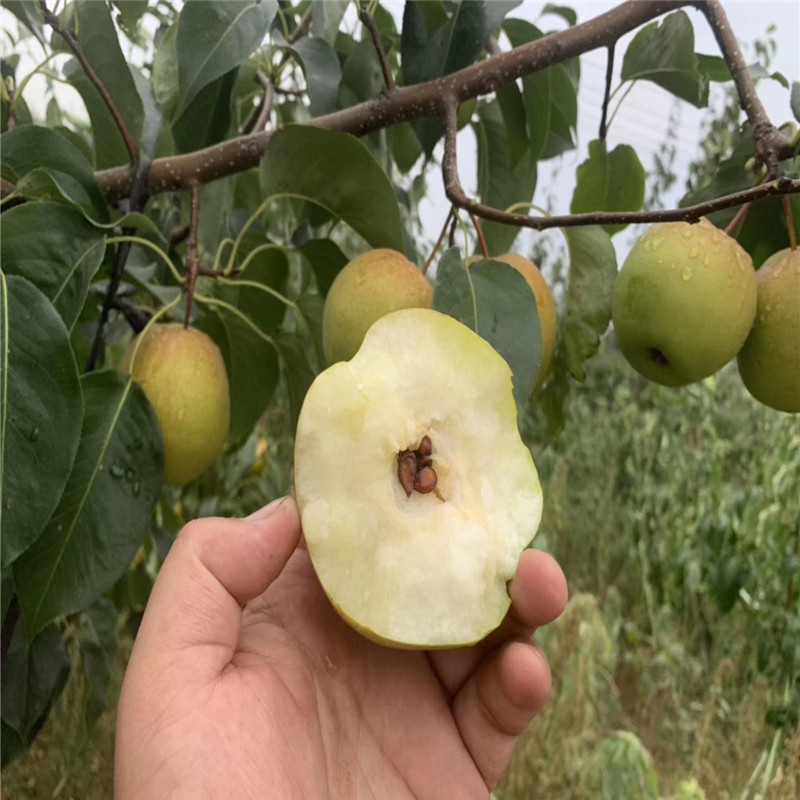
[(416, 567)]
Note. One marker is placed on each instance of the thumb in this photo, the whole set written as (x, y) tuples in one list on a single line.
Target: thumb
[(214, 568)]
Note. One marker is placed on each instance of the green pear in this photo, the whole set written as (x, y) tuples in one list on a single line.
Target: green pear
[(684, 302), (370, 286), (416, 493), (184, 377), (769, 362)]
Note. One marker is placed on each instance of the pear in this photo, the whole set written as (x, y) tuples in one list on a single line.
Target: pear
[(684, 302), (370, 286), (416, 493), (769, 362), (183, 375)]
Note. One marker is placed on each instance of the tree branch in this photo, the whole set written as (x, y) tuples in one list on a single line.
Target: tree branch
[(369, 24), (52, 20), (407, 103), (192, 254), (607, 94), (457, 196), (771, 145)]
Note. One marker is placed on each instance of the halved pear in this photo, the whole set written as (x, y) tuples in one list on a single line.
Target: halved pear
[(404, 567)]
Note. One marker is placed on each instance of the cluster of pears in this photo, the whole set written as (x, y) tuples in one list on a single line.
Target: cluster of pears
[(416, 493), (688, 300)]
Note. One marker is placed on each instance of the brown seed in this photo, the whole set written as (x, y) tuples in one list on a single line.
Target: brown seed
[(407, 471), (426, 480), (425, 447)]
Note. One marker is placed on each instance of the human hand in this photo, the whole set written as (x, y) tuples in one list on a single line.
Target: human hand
[(285, 700)]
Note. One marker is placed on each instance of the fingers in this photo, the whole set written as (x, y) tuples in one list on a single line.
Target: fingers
[(213, 569), (538, 596), (496, 704)]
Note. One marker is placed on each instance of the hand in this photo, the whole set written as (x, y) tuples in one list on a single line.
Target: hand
[(285, 700)]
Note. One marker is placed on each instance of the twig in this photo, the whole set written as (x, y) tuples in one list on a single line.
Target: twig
[(607, 95), (771, 145), (438, 241), (455, 194), (52, 20), (737, 220), (404, 104), (481, 240), (451, 239), (289, 92), (266, 103), (134, 315), (369, 24), (192, 254), (492, 47), (787, 211), (303, 27), (11, 123)]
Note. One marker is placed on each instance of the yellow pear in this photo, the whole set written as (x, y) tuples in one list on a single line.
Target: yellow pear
[(370, 286), (769, 362), (184, 377)]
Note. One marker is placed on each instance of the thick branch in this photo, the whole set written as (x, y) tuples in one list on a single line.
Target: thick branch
[(459, 198), (412, 102), (771, 145), (52, 20), (192, 253)]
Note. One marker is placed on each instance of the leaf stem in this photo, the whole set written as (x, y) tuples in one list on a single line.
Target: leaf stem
[(214, 301), (438, 241), (264, 288), (787, 212), (147, 243)]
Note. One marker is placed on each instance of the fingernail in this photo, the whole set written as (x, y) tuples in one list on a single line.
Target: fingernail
[(266, 511)]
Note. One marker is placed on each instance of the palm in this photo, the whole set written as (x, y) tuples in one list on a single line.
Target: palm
[(294, 703)]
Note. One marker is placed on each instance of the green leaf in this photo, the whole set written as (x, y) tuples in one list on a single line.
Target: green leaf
[(495, 301), (215, 37), (406, 148), (362, 73), (592, 272), (96, 630), (56, 249), (165, 72), (565, 12), (42, 409), (336, 171), (252, 366), (206, 120), (98, 40), (27, 12), (715, 68), (606, 181), (33, 149), (326, 260), (322, 70), (513, 109), (105, 511), (795, 100), (664, 54), (298, 373), (500, 183), (326, 16), (34, 674)]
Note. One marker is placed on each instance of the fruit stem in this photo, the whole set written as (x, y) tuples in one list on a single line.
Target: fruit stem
[(438, 241), (140, 336), (481, 240), (787, 211)]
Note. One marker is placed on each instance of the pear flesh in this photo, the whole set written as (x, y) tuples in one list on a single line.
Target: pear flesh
[(420, 569)]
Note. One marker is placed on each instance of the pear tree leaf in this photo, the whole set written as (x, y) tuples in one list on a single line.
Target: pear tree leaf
[(565, 12), (500, 183), (496, 302), (335, 171), (715, 68), (105, 511), (96, 631), (27, 12), (322, 70), (592, 272), (298, 372), (326, 16), (326, 260), (41, 414), (56, 249), (663, 52), (213, 38), (606, 181), (362, 73), (50, 163), (207, 118), (34, 674), (795, 100)]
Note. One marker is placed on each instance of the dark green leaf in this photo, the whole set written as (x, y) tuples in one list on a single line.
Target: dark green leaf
[(795, 100), (362, 72), (337, 172), (299, 375), (609, 182), (55, 248), (496, 11), (208, 117), (326, 259), (129, 14), (41, 416), (513, 110), (323, 73), (406, 148), (105, 511), (34, 673), (326, 15), (500, 184), (96, 630), (565, 12), (215, 37), (715, 68), (664, 54), (252, 366), (495, 301), (32, 148), (311, 306), (592, 271)]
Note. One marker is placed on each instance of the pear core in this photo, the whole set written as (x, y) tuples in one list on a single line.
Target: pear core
[(429, 567), (371, 285), (183, 375), (769, 362), (684, 302)]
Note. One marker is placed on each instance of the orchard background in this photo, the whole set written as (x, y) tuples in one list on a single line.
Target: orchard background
[(225, 176)]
